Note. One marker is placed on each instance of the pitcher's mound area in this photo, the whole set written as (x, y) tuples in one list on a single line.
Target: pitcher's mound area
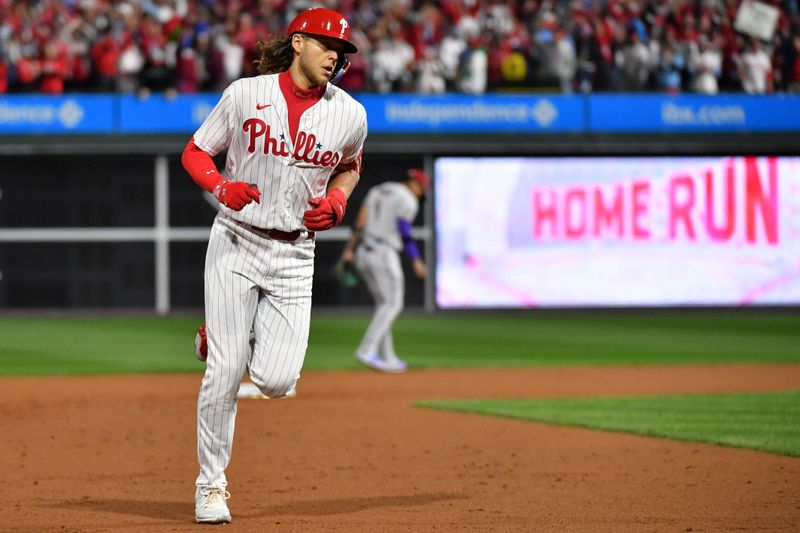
[(350, 453)]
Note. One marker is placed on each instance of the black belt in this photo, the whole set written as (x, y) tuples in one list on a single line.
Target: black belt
[(288, 236), (279, 235)]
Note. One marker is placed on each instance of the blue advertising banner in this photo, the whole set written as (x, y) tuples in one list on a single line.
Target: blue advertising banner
[(693, 113), (421, 114), (473, 114), (56, 114), (158, 114)]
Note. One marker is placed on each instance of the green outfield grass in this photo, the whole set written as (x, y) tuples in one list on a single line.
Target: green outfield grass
[(768, 421), (60, 345)]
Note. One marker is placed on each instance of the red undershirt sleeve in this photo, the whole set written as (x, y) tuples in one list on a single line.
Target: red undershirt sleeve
[(200, 166)]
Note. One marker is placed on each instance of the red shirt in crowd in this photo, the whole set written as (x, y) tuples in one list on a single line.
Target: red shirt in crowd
[(105, 54)]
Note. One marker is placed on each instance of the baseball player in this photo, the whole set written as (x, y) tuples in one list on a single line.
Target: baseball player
[(382, 229), (294, 142)]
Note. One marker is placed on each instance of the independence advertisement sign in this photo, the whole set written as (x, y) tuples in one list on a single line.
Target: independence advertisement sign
[(472, 114), (570, 232)]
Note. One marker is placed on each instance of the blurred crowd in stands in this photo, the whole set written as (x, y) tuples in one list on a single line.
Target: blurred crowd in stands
[(425, 46)]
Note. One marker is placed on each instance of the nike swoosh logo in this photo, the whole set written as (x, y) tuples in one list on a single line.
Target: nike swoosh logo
[(259, 107)]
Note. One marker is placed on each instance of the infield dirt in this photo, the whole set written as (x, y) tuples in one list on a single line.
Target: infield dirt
[(351, 453)]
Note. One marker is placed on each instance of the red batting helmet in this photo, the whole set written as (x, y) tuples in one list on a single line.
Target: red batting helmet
[(421, 177), (324, 22)]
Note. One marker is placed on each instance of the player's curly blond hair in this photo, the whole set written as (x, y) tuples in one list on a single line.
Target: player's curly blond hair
[(275, 55)]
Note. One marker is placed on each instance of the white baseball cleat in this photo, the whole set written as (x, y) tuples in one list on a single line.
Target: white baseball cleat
[(249, 390), (375, 361), (371, 360), (396, 366), (211, 506)]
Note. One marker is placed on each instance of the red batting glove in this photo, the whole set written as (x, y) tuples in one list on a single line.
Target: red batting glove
[(236, 194), (327, 213)]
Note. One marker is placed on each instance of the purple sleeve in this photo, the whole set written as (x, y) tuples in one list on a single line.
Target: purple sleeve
[(409, 246)]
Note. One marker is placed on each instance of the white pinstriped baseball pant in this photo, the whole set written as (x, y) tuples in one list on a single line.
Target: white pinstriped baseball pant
[(255, 282)]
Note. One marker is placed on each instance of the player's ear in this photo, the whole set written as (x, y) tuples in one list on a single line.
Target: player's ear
[(297, 42)]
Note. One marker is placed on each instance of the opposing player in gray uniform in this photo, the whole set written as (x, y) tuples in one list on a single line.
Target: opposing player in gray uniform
[(294, 144), (382, 230)]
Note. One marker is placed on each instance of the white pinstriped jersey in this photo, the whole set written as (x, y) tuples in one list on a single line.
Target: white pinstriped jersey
[(385, 204), (251, 121)]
